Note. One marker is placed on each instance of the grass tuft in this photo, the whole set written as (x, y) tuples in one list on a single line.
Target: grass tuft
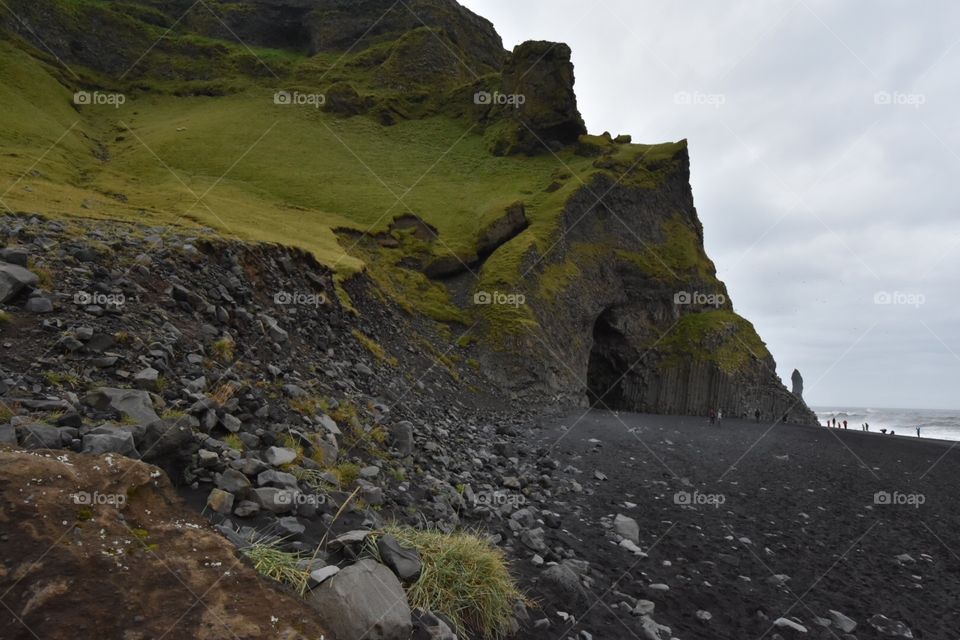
[(224, 349), (283, 566), (465, 577)]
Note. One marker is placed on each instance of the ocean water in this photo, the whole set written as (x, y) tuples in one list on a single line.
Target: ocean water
[(933, 423)]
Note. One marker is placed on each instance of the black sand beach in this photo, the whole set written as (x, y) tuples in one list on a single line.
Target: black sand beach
[(801, 528)]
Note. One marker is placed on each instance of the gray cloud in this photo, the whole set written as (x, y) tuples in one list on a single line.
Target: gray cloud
[(825, 144)]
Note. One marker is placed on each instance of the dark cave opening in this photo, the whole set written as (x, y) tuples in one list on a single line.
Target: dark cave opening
[(607, 365)]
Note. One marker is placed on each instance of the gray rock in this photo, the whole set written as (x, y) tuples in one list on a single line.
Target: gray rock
[(643, 608), (427, 626), (650, 629), (15, 256), (147, 379), (404, 562), (627, 527), (8, 435), (328, 451), (161, 439), (220, 501), (890, 628), (289, 527), (246, 509), (40, 436), (274, 500), (365, 601), (565, 579), (13, 279), (130, 403), (233, 481), (786, 623), (352, 539), (279, 479), (842, 622), (207, 458), (277, 456), (329, 424), (401, 437), (533, 539), (231, 423), (39, 304), (319, 576), (110, 439)]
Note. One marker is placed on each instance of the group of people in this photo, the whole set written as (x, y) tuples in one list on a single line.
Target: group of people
[(716, 416), (863, 427)]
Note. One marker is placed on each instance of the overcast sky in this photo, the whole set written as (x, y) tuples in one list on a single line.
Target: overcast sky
[(825, 147)]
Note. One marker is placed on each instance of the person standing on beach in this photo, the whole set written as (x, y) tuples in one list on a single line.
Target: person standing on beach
[(867, 425), (719, 416), (713, 416), (756, 414), (844, 424), (918, 432)]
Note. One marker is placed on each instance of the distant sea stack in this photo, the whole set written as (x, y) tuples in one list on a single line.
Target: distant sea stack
[(797, 383)]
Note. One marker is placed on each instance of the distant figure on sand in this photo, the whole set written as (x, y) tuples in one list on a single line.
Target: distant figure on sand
[(719, 416), (867, 426), (918, 432), (883, 431), (756, 414), (834, 423), (713, 416), (786, 417), (844, 424)]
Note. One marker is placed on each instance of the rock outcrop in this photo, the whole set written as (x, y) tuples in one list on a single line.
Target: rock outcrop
[(636, 318), (85, 529), (797, 381), (535, 107)]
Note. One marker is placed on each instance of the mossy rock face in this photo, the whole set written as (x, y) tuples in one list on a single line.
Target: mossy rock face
[(422, 59), (536, 103), (343, 99), (338, 25)]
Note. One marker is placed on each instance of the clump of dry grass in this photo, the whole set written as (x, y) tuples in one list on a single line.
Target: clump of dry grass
[(465, 577)]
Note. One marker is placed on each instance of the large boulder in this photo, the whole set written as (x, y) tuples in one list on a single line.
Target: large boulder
[(110, 439), (41, 436), (134, 404), (13, 279), (365, 601)]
